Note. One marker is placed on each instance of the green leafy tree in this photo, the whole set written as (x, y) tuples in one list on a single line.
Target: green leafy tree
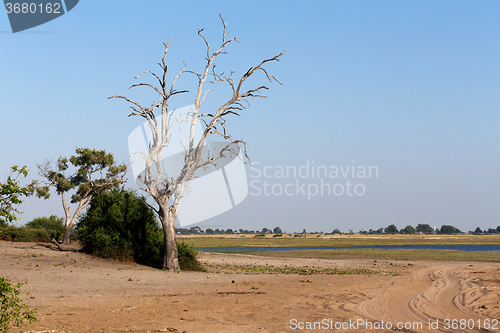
[(379, 231), (448, 230), (478, 231), (11, 194), (13, 312), (277, 230), (95, 171), (195, 230), (425, 228), (392, 229), (408, 230)]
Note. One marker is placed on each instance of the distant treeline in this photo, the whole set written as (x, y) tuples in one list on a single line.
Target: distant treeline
[(209, 231), (424, 229), (389, 230)]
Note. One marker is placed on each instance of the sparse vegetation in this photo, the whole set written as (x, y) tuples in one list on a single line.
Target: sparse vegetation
[(13, 312), (382, 254), (302, 270), (11, 194)]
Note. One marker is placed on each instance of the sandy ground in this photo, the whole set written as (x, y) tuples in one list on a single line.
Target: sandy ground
[(74, 292)]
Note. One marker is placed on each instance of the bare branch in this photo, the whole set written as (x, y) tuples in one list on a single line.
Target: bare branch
[(163, 187)]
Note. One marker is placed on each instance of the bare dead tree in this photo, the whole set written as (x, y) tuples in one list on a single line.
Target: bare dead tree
[(163, 187)]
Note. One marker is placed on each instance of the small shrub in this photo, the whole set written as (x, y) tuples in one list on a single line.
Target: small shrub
[(187, 257), (12, 310)]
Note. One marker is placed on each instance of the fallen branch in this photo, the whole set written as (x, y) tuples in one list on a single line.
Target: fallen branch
[(63, 247)]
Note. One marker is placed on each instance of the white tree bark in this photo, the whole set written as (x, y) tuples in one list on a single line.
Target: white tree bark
[(161, 187), (70, 221)]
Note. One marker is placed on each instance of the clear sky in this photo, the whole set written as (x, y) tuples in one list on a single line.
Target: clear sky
[(409, 87)]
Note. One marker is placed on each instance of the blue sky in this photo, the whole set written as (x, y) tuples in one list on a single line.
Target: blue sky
[(411, 87)]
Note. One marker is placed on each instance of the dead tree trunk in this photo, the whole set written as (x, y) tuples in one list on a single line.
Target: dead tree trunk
[(66, 240), (163, 187), (170, 258)]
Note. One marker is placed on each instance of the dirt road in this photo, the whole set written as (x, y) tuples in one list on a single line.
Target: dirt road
[(443, 297)]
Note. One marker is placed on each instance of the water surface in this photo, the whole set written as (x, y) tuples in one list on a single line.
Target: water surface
[(457, 247)]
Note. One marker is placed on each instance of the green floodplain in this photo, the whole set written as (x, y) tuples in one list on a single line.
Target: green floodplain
[(322, 240)]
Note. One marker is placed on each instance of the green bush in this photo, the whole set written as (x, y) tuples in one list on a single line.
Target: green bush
[(119, 224), (24, 234), (53, 224), (187, 257), (40, 229), (12, 310), (50, 223)]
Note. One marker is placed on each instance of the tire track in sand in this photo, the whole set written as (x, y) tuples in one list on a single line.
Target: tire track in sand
[(433, 293)]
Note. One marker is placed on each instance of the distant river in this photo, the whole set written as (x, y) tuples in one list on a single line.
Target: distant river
[(410, 247)]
